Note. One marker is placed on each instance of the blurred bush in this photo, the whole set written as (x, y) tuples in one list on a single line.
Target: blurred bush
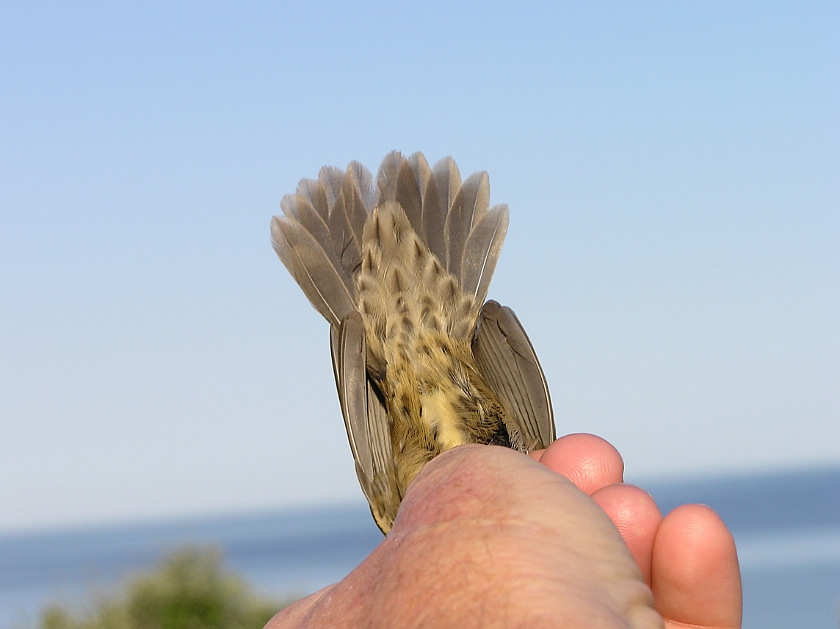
[(190, 590)]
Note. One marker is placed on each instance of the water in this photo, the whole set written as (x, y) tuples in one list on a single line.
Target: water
[(786, 526)]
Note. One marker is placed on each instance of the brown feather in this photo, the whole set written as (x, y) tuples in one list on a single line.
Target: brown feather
[(365, 184), (312, 268), (408, 196), (331, 178), (386, 178), (468, 208), (481, 252)]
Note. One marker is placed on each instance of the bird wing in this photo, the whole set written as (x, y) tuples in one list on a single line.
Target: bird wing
[(506, 359), (366, 420)]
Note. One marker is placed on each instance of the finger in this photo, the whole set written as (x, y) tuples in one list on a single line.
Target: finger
[(636, 517), (695, 575), (536, 454), (588, 461)]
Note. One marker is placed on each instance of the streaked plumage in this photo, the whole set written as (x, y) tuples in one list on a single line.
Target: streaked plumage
[(400, 268)]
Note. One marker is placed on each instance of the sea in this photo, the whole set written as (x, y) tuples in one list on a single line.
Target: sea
[(786, 527)]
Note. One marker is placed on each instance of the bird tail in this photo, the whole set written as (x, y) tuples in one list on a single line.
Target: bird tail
[(319, 236)]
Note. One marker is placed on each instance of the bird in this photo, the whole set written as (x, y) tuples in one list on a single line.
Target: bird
[(400, 267)]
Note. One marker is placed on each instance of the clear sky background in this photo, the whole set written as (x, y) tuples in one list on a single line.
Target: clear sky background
[(673, 177)]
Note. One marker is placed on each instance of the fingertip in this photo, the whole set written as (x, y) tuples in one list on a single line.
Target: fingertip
[(636, 517), (695, 574), (588, 461)]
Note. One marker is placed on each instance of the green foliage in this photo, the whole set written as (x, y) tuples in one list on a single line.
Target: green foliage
[(190, 590)]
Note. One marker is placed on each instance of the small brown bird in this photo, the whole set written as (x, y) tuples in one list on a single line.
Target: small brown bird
[(400, 268)]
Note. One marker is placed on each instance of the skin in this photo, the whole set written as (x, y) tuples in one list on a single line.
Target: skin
[(488, 537)]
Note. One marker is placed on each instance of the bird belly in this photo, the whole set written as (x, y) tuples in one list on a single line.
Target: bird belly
[(442, 420)]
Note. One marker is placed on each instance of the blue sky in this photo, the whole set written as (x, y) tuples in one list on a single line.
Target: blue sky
[(673, 176)]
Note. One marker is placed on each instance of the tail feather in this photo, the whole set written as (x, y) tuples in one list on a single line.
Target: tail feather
[(357, 205), (312, 269), (320, 237), (476, 191), (421, 202), (468, 208), (481, 252), (448, 180), (364, 184), (299, 208), (434, 220), (421, 221), (347, 244), (422, 171), (409, 196), (404, 289), (316, 194), (386, 178), (331, 178)]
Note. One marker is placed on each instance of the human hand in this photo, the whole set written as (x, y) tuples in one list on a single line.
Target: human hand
[(487, 538), (687, 558)]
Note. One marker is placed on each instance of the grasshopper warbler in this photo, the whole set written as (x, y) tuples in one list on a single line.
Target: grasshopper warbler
[(400, 267)]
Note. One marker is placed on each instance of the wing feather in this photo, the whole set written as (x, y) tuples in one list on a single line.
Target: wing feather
[(347, 342), (366, 421), (506, 358)]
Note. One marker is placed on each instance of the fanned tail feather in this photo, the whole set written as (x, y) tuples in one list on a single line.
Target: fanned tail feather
[(331, 178), (386, 177), (364, 184), (481, 252), (312, 269), (316, 194), (327, 217), (452, 218), (468, 208)]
